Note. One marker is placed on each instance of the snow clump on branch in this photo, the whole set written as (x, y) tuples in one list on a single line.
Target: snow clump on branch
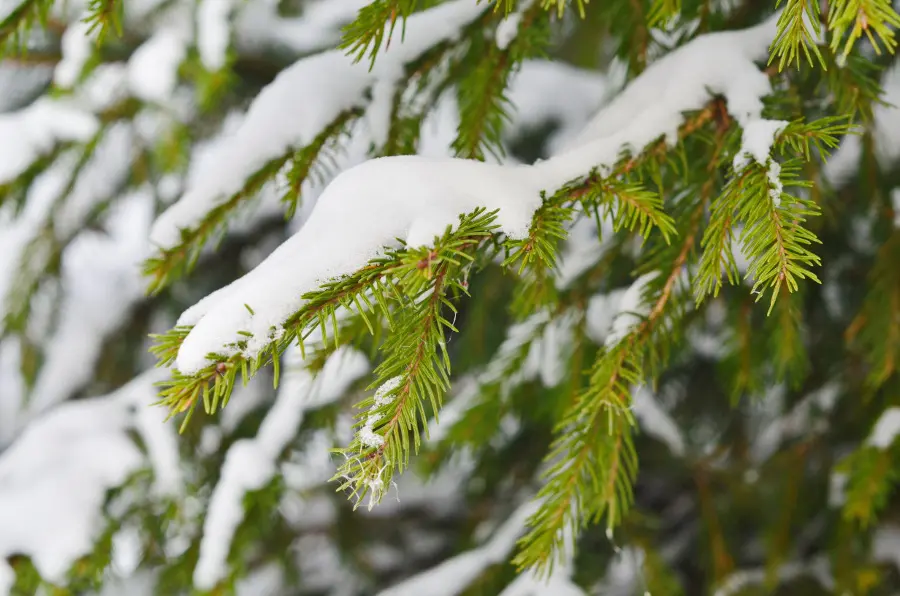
[(367, 207)]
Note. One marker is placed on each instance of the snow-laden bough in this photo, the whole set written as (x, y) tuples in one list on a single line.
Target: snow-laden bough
[(413, 198)]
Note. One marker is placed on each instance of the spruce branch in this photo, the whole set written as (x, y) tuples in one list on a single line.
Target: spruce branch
[(503, 373), (631, 206), (689, 211), (169, 264), (799, 28), (308, 162), (560, 6), (785, 339), (877, 19), (631, 23), (593, 453), (416, 365), (104, 15), (594, 459), (15, 191), (871, 476), (855, 86), (40, 259), (365, 35), (425, 79), (499, 386), (540, 246), (773, 237), (16, 188), (41, 253), (172, 263), (628, 205), (662, 11), (407, 301), (481, 92), (369, 292), (483, 105), (595, 463), (180, 393), (383, 444), (659, 150), (535, 257), (615, 195), (15, 27), (216, 382), (799, 139), (641, 27), (876, 329), (669, 307)]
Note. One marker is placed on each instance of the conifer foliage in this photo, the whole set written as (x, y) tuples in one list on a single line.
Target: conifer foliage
[(449, 297)]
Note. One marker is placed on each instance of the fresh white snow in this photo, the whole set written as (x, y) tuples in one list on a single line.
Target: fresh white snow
[(722, 63), (34, 131), (886, 430), (455, 574), (77, 47), (886, 544), (624, 573), (319, 26), (213, 32), (577, 93), (79, 449), (103, 87), (602, 309), (756, 141), (508, 28), (12, 388), (153, 67)]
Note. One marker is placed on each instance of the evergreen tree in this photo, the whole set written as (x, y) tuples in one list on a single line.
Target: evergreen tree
[(520, 298)]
